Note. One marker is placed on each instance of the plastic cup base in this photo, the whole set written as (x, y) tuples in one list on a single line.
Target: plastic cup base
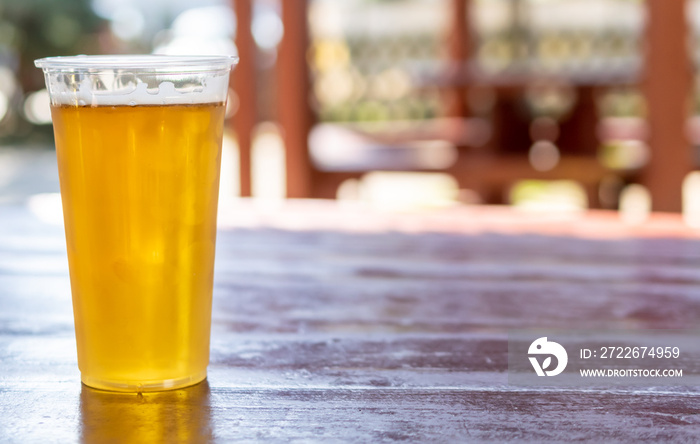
[(144, 386)]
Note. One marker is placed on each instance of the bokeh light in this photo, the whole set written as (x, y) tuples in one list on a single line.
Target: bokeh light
[(548, 196), (544, 155), (128, 23), (267, 26), (624, 154), (205, 30), (37, 107), (8, 88), (544, 128), (691, 199), (268, 163), (3, 105), (635, 204), (403, 191)]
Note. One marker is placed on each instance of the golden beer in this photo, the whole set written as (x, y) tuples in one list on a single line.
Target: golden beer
[(139, 186)]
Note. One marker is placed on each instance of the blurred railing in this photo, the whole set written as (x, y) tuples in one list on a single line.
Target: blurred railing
[(558, 90)]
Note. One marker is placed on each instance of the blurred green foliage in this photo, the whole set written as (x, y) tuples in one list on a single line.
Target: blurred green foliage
[(31, 29), (39, 28)]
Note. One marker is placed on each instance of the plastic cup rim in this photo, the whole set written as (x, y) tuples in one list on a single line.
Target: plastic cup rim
[(144, 62)]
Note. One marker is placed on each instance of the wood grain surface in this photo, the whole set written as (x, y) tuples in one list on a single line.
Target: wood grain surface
[(388, 328)]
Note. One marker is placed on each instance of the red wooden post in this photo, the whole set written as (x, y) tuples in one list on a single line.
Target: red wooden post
[(667, 86), (293, 89), (243, 82), (459, 50)]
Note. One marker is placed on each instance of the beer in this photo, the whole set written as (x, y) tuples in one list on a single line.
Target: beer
[(139, 186), (138, 141)]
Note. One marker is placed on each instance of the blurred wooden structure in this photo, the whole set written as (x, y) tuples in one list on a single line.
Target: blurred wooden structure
[(244, 86), (293, 90), (668, 87), (666, 81)]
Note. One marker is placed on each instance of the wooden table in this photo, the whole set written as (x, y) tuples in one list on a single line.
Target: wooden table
[(335, 323)]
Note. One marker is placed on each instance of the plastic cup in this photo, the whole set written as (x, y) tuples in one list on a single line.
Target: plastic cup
[(138, 142)]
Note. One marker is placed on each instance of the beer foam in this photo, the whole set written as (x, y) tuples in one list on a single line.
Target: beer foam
[(213, 89)]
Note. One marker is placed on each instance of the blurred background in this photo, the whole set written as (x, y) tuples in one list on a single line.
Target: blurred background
[(548, 105)]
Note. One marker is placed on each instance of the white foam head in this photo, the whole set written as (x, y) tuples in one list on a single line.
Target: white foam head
[(165, 93)]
